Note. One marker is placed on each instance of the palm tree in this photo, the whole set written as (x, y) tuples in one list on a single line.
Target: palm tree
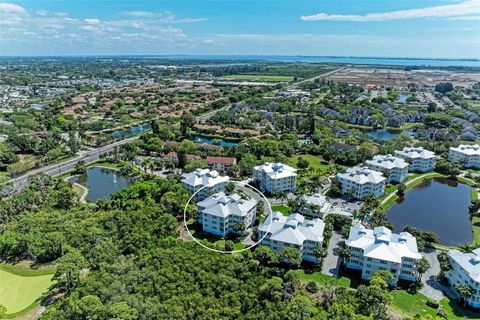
[(345, 253), (319, 252), (282, 196), (466, 247), (350, 194), (169, 165), (465, 292), (159, 164), (422, 266), (401, 189), (148, 164)]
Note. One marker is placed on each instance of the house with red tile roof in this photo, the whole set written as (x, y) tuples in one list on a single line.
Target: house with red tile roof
[(220, 163)]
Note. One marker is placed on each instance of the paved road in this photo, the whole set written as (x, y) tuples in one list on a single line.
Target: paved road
[(431, 286), (254, 195), (204, 117), (320, 76), (331, 263), (88, 156)]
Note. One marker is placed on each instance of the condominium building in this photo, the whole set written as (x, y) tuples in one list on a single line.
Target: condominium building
[(221, 214), (220, 163), (419, 159), (293, 231), (211, 182), (275, 177), (394, 168), (380, 249), (465, 269), (315, 205), (466, 155), (360, 182)]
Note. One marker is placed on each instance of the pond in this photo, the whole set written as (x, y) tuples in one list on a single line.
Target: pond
[(223, 143), (102, 182), (402, 98), (384, 134), (439, 205), (130, 132)]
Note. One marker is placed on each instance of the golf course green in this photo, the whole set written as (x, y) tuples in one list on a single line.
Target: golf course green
[(18, 292)]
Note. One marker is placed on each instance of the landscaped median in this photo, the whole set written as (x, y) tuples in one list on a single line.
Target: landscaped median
[(22, 287)]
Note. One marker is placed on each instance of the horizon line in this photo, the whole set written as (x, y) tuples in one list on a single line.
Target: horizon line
[(248, 55)]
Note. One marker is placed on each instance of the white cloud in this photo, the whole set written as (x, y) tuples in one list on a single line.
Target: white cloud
[(89, 28), (463, 8), (189, 20), (467, 18), (140, 13), (163, 17), (11, 14), (42, 12), (92, 21)]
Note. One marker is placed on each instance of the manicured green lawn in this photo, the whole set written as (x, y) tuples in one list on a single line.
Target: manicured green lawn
[(314, 161), (474, 194), (411, 304), (324, 280), (107, 164), (476, 231), (238, 246), (19, 292), (283, 209), (4, 177), (403, 302), (260, 77)]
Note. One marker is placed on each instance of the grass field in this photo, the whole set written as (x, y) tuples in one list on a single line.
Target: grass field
[(324, 280), (19, 292), (314, 161), (403, 302), (260, 77), (411, 304), (281, 208), (4, 177)]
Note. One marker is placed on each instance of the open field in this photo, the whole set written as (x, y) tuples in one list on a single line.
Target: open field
[(259, 77), (4, 177), (411, 304), (403, 302), (384, 76), (325, 280), (19, 291), (314, 161), (281, 208)]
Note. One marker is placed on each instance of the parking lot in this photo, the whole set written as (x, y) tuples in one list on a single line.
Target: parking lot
[(343, 207)]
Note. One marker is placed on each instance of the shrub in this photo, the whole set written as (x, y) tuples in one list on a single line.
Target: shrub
[(442, 314), (432, 303), (312, 287)]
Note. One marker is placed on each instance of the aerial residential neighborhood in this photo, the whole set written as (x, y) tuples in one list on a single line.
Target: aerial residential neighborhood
[(252, 160)]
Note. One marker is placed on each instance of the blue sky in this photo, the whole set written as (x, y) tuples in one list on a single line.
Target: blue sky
[(393, 28)]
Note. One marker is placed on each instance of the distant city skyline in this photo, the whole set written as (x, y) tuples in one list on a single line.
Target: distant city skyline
[(382, 28)]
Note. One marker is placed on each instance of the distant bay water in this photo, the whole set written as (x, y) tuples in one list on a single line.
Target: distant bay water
[(226, 60), (431, 62)]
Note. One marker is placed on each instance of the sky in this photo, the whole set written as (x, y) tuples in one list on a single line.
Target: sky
[(378, 28)]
